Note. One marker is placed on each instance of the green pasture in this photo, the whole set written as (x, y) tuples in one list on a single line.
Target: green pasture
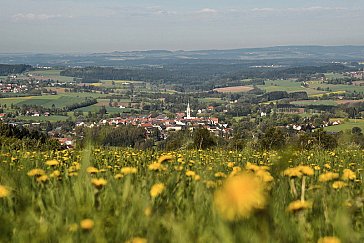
[(51, 74), (346, 125), (314, 102), (287, 85), (43, 118)]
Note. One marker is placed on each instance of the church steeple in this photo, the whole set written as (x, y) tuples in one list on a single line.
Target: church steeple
[(188, 111)]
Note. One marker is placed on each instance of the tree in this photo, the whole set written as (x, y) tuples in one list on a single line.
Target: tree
[(202, 139)]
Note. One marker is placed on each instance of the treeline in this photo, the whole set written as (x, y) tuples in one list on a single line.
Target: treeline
[(6, 69), (198, 76), (18, 137)]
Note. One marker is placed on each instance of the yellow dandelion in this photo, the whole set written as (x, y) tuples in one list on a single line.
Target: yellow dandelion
[(4, 192), (137, 240), (157, 189), (190, 173), (220, 175), (42, 179), (329, 239), (92, 170), (230, 164), (52, 162), (165, 158), (339, 184), (328, 176), (210, 184), (99, 183), (299, 205), (129, 170), (55, 173), (306, 170), (292, 172), (156, 166), (197, 177), (36, 172), (118, 176), (240, 196), (264, 175), (348, 175), (87, 224)]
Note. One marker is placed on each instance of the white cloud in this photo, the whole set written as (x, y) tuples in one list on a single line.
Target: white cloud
[(36, 17), (207, 11)]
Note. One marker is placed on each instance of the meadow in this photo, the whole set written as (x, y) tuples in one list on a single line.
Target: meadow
[(126, 195), (346, 125)]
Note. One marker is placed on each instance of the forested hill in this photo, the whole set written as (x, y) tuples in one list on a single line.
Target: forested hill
[(198, 74), (6, 69)]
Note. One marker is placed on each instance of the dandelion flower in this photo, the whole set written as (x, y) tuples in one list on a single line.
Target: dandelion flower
[(157, 189), (156, 166), (99, 183), (165, 158), (240, 196), (299, 205), (118, 176), (92, 170), (42, 179), (348, 175), (52, 162), (328, 176), (306, 170), (87, 224), (4, 192), (329, 239), (137, 240), (220, 175), (190, 173), (292, 172), (339, 184), (264, 175), (36, 172), (55, 173), (129, 170)]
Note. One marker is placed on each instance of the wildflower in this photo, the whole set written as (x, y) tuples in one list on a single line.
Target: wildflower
[(190, 173), (118, 176), (165, 158), (220, 174), (348, 175), (156, 166), (230, 164), (4, 192), (52, 162), (329, 239), (87, 224), (137, 240), (264, 175), (328, 176), (306, 170), (36, 172), (339, 184), (99, 183), (42, 178), (55, 173), (92, 170), (210, 184), (240, 196), (129, 170), (299, 205), (292, 172), (157, 189)]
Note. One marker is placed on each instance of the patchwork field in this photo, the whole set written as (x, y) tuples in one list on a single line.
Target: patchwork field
[(234, 89)]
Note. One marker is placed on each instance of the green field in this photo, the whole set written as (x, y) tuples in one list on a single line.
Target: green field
[(43, 118), (51, 74), (314, 102), (346, 125), (47, 101), (287, 85), (336, 87)]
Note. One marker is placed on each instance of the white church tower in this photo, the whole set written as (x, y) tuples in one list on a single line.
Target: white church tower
[(188, 111)]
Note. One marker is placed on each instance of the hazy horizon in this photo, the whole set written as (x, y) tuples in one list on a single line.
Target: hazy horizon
[(80, 26)]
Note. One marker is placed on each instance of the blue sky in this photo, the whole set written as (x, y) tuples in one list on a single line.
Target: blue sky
[(112, 25)]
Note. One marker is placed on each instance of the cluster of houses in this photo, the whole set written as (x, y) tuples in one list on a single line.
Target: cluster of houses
[(165, 124), (310, 127), (13, 88)]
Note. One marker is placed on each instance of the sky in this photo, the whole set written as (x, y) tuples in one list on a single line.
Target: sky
[(88, 26)]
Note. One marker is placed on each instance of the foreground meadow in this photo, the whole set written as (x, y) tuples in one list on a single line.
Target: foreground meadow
[(125, 195)]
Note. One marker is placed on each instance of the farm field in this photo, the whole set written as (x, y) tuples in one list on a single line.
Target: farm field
[(346, 125), (314, 102), (336, 87), (43, 118), (119, 195), (287, 85), (47, 101), (234, 89), (50, 74)]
